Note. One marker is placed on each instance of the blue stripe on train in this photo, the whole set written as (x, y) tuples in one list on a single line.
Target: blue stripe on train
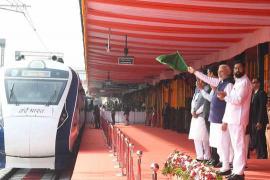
[(62, 155), (2, 148)]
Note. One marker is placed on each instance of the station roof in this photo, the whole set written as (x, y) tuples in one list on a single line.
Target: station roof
[(203, 31)]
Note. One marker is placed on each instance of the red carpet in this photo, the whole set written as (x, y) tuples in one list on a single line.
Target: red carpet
[(157, 143), (94, 161)]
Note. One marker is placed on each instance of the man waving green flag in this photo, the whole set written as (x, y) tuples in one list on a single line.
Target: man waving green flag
[(175, 61)]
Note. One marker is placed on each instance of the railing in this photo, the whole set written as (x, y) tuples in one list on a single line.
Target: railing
[(123, 149)]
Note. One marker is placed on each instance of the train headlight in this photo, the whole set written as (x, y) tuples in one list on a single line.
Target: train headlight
[(63, 117), (37, 64)]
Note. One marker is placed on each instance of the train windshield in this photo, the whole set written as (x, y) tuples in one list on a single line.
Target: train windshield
[(34, 91)]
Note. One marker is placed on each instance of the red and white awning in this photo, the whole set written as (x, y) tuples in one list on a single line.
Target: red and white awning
[(203, 31)]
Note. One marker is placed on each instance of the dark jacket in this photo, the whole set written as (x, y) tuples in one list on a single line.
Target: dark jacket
[(217, 106), (166, 111), (126, 110), (258, 109), (113, 111), (198, 101), (206, 105)]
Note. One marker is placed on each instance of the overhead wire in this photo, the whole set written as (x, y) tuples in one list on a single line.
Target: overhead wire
[(7, 9), (21, 7), (29, 19), (10, 4)]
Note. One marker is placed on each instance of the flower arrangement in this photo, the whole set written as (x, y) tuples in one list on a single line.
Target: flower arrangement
[(183, 166)]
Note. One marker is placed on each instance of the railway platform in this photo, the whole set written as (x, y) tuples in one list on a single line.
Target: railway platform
[(95, 161)]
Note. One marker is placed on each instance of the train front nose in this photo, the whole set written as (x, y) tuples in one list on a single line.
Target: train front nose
[(30, 136), (16, 134), (43, 137)]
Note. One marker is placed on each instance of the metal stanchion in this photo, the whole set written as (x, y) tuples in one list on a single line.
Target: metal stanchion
[(118, 145), (155, 168), (139, 155), (123, 150), (120, 149), (107, 131), (104, 128), (114, 141), (126, 154), (111, 137), (122, 157), (131, 171)]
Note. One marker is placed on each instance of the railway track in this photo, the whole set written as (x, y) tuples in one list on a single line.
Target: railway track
[(34, 174)]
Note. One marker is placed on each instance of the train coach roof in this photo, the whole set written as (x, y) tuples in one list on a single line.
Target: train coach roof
[(47, 64)]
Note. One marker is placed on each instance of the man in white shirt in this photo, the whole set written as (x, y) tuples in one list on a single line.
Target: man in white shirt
[(215, 159), (217, 108), (198, 131), (236, 117)]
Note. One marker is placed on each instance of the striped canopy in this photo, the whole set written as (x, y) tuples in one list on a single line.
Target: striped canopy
[(203, 31)]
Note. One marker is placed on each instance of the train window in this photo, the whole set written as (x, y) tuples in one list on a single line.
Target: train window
[(35, 73), (31, 91)]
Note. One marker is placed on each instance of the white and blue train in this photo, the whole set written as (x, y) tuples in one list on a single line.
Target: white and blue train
[(41, 114)]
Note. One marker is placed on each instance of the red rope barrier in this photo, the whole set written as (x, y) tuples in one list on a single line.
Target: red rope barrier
[(122, 149), (126, 151), (127, 160), (122, 153), (139, 162), (131, 147), (118, 146), (114, 141)]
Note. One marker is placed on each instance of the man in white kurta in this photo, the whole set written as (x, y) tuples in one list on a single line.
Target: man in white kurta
[(221, 136), (198, 131), (236, 118)]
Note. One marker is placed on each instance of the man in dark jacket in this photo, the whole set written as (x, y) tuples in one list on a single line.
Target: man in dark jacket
[(166, 114), (206, 106), (207, 93), (126, 114), (258, 119), (97, 116), (221, 139), (113, 111)]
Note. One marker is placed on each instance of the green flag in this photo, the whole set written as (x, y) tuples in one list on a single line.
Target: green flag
[(175, 61)]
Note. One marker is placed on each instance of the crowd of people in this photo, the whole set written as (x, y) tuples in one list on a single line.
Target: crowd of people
[(227, 110), (229, 118), (93, 115), (94, 112)]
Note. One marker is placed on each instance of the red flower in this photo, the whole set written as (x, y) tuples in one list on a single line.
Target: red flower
[(183, 168), (192, 174)]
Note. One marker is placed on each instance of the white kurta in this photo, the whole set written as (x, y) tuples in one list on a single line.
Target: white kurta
[(238, 102), (198, 133), (218, 138), (237, 117), (214, 137), (198, 129)]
